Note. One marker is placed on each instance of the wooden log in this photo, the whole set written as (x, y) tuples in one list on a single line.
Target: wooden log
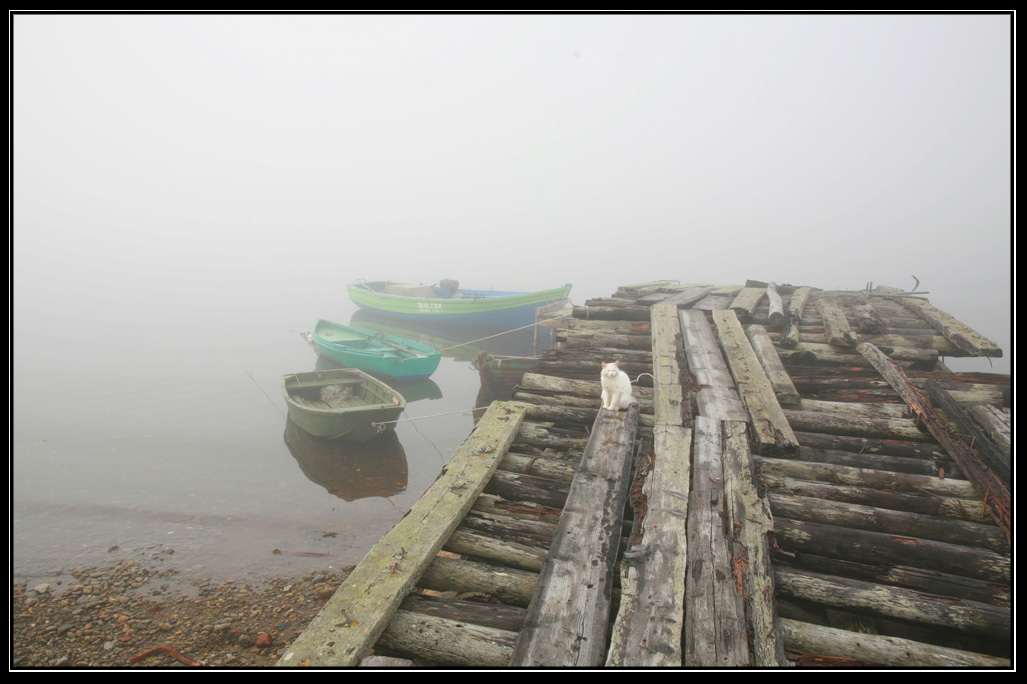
[(671, 405), (986, 450), (888, 521), (776, 313), (716, 396), (919, 579), (882, 410), (520, 487), (890, 339), (878, 479), (882, 548), (612, 313), (647, 631), (770, 429), (793, 316), (715, 623), (837, 333), (491, 615), (855, 425), (550, 468), (894, 603), (520, 510), (746, 301), (780, 382), (996, 424), (898, 464), (573, 339), (448, 642), (956, 332), (869, 321), (867, 494), (751, 523), (510, 585), (475, 545), (983, 477), (351, 621), (888, 651), (568, 618), (863, 445)]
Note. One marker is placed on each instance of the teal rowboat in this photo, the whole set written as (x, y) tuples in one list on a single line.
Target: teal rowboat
[(451, 305), (342, 403), (374, 351)]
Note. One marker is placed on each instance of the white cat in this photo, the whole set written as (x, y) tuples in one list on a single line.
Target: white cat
[(616, 387)]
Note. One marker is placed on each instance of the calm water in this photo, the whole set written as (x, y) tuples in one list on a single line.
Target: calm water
[(139, 437)]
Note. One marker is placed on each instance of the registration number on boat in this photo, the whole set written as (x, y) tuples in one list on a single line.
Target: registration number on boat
[(429, 307)]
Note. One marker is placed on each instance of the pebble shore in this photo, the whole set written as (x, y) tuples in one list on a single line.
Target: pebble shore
[(126, 615)]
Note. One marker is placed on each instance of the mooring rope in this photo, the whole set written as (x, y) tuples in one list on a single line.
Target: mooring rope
[(434, 415), (505, 332)]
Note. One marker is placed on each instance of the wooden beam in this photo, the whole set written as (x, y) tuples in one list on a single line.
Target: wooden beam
[(775, 306), (715, 623), (996, 495), (671, 401), (568, 618), (745, 302), (771, 431), (750, 523), (647, 631), (345, 630), (779, 379), (716, 395)]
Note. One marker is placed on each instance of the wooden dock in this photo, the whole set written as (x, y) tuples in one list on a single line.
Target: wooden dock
[(800, 483)]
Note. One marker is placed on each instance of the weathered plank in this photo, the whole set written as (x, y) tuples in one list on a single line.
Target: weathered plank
[(716, 396), (648, 629), (745, 302), (715, 624), (780, 382), (568, 618), (352, 620), (769, 426), (670, 402), (686, 298), (750, 522), (886, 650), (996, 494)]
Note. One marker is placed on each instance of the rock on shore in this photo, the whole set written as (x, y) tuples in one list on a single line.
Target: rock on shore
[(125, 615)]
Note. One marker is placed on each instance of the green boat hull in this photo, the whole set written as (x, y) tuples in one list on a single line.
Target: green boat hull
[(358, 406), (374, 352)]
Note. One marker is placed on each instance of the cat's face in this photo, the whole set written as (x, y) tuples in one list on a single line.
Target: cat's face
[(611, 369)]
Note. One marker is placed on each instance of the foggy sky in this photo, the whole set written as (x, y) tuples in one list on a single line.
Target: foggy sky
[(510, 151)]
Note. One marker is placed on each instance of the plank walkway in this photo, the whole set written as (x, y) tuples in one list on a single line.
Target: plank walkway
[(795, 486)]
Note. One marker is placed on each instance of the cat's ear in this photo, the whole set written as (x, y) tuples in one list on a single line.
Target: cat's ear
[(617, 363), (604, 364)]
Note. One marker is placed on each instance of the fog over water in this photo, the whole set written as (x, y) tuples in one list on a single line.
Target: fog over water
[(189, 192)]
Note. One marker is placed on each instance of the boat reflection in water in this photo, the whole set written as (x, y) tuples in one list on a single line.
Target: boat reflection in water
[(461, 343), (350, 470)]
